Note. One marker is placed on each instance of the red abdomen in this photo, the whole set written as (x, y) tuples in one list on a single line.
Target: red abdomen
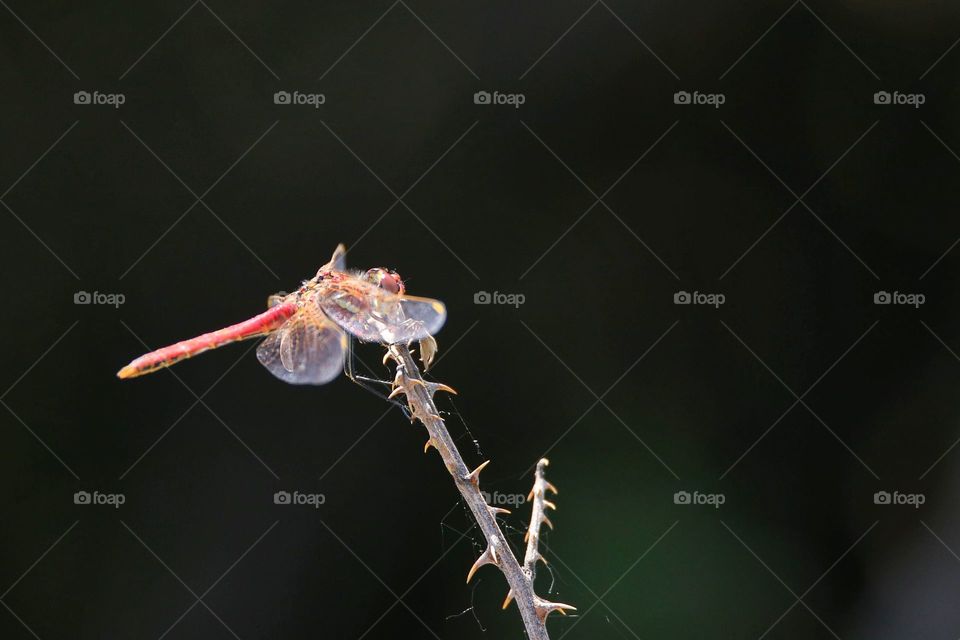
[(260, 325)]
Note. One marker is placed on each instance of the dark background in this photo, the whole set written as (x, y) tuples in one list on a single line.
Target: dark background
[(693, 198)]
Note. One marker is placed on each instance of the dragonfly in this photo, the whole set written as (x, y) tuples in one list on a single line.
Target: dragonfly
[(306, 331)]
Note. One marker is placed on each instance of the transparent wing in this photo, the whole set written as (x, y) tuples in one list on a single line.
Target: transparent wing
[(307, 349), (376, 315)]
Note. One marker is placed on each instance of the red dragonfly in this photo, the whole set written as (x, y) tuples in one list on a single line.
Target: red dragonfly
[(306, 343)]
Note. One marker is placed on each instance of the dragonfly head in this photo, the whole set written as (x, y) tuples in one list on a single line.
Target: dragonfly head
[(385, 279)]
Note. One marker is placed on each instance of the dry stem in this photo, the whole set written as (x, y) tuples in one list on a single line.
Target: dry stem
[(538, 516), (419, 394)]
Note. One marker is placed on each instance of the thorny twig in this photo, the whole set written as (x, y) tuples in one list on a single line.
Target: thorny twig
[(538, 516), (419, 394)]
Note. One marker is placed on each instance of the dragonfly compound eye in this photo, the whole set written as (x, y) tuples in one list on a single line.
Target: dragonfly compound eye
[(385, 279)]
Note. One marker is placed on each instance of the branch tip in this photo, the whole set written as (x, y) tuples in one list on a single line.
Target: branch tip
[(538, 516)]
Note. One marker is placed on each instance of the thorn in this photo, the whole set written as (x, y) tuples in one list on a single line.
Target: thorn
[(474, 476), (526, 536), (388, 356), (506, 601), (396, 392), (544, 608), (402, 380), (433, 387), (429, 444), (489, 556), (428, 350), (542, 559), (498, 510), (549, 504), (551, 487), (422, 417), (547, 522), (530, 496)]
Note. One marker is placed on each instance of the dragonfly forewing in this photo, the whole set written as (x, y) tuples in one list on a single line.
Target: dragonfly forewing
[(374, 315)]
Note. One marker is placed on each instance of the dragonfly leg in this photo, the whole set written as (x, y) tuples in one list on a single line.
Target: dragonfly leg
[(359, 379), (367, 382)]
